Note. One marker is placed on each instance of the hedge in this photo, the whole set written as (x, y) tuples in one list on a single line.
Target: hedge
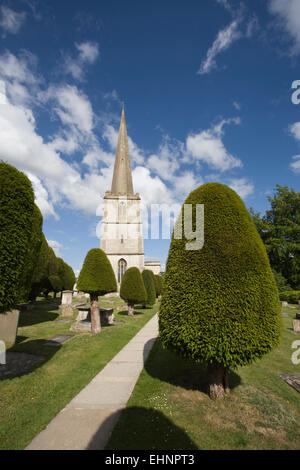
[(16, 221)]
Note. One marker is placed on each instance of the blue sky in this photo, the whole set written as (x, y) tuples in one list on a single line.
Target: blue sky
[(207, 92)]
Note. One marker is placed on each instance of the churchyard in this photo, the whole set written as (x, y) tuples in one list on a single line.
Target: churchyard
[(30, 401), (170, 408)]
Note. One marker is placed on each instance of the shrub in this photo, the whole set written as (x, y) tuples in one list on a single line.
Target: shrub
[(158, 284), (96, 278), (16, 220), (32, 255), (292, 297), (68, 277), (40, 273), (149, 286), (282, 283), (132, 289), (220, 304)]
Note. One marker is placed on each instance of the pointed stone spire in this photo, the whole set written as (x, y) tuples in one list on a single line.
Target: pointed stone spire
[(122, 179)]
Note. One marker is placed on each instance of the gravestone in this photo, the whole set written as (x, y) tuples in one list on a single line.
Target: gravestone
[(58, 340), (83, 320), (284, 304), (67, 310), (292, 379), (66, 297), (296, 326)]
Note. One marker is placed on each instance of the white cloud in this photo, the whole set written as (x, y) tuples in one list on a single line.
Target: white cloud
[(225, 4), (236, 105), (288, 13), (207, 146), (88, 53), (294, 130), (223, 41), (74, 108), (295, 166), (11, 21), (42, 196), (152, 188), (243, 187), (56, 246)]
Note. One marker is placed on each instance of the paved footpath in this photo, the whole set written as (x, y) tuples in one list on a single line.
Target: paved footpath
[(88, 420)]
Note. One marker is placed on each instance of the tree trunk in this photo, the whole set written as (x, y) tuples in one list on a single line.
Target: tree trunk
[(130, 310), (95, 315), (218, 385)]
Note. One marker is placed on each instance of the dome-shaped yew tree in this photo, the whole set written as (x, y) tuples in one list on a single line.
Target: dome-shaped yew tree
[(148, 279), (96, 278), (16, 221), (132, 289), (220, 304)]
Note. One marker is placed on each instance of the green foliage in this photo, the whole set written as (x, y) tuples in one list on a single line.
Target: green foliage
[(97, 276), (55, 272), (220, 304), (16, 221), (32, 255), (158, 284), (68, 277), (281, 282), (292, 297), (279, 229), (40, 273), (149, 286), (132, 288)]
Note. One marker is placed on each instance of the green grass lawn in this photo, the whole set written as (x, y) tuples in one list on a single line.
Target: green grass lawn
[(29, 402), (169, 408)]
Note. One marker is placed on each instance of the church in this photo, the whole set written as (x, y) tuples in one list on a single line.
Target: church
[(122, 228)]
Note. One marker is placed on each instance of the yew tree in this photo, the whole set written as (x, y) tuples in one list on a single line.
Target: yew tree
[(220, 304), (132, 289), (96, 278)]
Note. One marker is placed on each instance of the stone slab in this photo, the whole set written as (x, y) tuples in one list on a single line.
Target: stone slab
[(103, 395), (57, 340), (77, 429), (292, 379)]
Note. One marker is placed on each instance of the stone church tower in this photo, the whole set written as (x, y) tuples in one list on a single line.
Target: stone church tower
[(122, 231)]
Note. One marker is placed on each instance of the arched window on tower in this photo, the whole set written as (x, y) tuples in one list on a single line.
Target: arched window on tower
[(122, 265)]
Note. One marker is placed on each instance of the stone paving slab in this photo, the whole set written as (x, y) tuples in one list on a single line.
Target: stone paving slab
[(88, 420), (77, 429)]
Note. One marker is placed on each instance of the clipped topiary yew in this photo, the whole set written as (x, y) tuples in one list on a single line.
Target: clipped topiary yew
[(68, 277), (96, 278), (32, 255), (158, 284), (132, 289), (220, 304), (16, 221), (149, 286)]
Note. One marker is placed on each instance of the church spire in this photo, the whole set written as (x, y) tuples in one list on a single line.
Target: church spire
[(122, 179)]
